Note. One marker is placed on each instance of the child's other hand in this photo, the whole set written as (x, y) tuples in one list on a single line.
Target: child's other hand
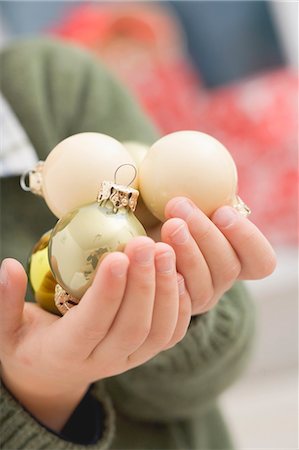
[(212, 254), (136, 307)]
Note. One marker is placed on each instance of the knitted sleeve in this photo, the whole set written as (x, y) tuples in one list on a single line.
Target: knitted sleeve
[(57, 90), (185, 380), (19, 430)]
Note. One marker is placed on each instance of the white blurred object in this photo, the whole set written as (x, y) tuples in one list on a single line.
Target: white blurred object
[(17, 154), (262, 407), (285, 15), (276, 302), (262, 413)]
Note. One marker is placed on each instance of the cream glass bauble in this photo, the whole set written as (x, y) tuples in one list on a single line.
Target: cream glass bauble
[(138, 152), (190, 164), (75, 168)]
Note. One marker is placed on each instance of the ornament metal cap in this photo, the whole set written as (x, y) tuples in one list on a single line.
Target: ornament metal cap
[(241, 207), (64, 301), (118, 194)]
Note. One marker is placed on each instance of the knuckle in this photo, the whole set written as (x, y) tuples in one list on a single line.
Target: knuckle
[(158, 339), (144, 286), (202, 298), (203, 231), (133, 336), (208, 306), (180, 335), (185, 311), (165, 291), (176, 338), (230, 273), (91, 335), (248, 234), (191, 263), (265, 268)]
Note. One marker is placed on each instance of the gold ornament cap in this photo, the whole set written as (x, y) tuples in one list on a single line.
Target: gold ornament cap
[(241, 207), (119, 195), (64, 301)]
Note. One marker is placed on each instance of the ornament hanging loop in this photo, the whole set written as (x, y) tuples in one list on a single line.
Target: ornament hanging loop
[(23, 179), (123, 165), (35, 180)]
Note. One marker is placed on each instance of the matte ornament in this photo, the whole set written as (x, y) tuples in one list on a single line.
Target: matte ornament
[(74, 169), (190, 164), (83, 237), (138, 152), (40, 276)]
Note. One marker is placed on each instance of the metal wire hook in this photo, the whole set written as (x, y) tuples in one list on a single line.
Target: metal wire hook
[(122, 165)]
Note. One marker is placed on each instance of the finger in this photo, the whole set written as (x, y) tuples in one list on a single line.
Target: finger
[(190, 262), (165, 313), (133, 321), (184, 315), (253, 249), (221, 258), (85, 325), (12, 294)]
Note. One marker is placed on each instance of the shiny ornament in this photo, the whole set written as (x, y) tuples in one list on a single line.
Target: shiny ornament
[(83, 237), (40, 276), (74, 169), (190, 164), (138, 152)]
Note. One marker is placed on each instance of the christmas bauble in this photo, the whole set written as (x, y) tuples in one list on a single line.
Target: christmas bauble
[(75, 168), (138, 152), (190, 164), (82, 238), (40, 276)]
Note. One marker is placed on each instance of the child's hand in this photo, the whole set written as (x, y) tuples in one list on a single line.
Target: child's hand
[(213, 254), (136, 307)]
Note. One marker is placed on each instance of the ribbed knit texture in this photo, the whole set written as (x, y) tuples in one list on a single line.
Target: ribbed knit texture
[(187, 379), (19, 430), (171, 401)]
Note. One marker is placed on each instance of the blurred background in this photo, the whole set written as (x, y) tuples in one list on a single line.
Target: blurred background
[(229, 69)]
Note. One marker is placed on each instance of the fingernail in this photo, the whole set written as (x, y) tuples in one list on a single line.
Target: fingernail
[(165, 263), (144, 255), (3, 274), (119, 268), (180, 236), (181, 285), (225, 217), (182, 209)]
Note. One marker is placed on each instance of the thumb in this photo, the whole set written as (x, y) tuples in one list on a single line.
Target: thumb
[(13, 282)]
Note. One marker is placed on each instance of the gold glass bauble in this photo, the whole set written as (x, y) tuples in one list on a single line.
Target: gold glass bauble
[(82, 238), (190, 164), (40, 276)]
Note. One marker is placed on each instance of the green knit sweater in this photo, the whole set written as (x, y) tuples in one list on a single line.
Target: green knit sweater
[(170, 402)]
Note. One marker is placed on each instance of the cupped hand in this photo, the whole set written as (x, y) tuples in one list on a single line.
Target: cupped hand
[(213, 253), (136, 307)]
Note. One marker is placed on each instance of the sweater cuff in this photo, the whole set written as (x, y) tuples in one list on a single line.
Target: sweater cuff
[(86, 424), (19, 429)]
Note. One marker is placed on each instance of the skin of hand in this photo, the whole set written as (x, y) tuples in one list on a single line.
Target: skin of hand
[(211, 254), (136, 307)]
